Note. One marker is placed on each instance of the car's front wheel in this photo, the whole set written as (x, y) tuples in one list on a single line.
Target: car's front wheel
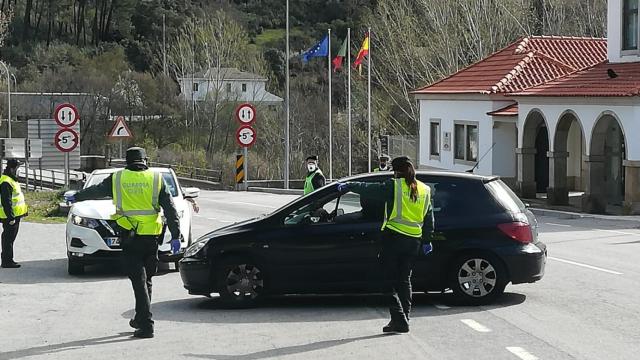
[(74, 267), (477, 279), (241, 282)]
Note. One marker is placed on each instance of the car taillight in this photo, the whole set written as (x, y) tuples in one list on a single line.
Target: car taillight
[(518, 231)]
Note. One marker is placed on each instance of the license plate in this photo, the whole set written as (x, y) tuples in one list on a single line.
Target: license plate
[(113, 241)]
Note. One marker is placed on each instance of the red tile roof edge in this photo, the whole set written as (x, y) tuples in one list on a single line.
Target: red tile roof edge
[(520, 48), (509, 110), (417, 91)]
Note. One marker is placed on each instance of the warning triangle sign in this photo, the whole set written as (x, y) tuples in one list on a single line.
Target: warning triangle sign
[(120, 130)]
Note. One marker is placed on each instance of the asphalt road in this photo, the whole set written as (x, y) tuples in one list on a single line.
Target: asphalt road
[(586, 307)]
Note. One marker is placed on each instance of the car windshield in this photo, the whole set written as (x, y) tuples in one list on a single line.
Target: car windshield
[(168, 178)]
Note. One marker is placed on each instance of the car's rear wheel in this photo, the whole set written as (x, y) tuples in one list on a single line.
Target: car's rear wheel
[(241, 282), (74, 267), (477, 278)]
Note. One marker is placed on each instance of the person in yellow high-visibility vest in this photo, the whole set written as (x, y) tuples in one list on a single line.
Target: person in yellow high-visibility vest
[(138, 194), (383, 164), (12, 210), (314, 179), (408, 215)]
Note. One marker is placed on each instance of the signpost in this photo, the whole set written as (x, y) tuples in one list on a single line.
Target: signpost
[(246, 134), (120, 131), (66, 139)]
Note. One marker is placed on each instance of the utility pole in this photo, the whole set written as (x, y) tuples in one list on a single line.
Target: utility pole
[(286, 105)]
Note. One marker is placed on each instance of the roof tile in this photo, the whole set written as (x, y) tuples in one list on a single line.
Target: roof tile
[(528, 62)]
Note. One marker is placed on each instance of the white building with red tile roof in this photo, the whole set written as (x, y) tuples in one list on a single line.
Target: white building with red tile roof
[(548, 114)]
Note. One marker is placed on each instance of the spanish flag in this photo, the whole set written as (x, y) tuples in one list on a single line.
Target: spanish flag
[(364, 51)]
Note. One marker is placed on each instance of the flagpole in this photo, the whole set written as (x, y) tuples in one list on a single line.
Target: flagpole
[(330, 126), (369, 98), (286, 125), (349, 92)]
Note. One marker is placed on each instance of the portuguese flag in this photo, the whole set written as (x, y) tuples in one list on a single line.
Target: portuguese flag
[(337, 61)]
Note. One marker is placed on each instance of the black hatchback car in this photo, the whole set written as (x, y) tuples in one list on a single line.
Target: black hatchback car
[(328, 243)]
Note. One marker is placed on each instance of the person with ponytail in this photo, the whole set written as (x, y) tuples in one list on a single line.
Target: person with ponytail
[(408, 214)]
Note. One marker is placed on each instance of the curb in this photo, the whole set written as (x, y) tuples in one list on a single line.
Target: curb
[(573, 215), (276, 191)]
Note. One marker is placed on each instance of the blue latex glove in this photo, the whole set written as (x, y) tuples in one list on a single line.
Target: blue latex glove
[(175, 246), (70, 198), (343, 188), (427, 248)]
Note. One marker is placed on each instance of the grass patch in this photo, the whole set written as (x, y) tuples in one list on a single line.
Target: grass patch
[(44, 208)]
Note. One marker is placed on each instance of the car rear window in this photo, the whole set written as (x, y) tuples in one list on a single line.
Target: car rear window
[(458, 197), (505, 196)]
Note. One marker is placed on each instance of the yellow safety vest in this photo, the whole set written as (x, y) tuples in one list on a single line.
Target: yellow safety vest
[(18, 204), (407, 216), (308, 183), (135, 195)]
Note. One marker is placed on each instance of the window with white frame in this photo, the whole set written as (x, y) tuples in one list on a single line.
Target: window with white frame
[(228, 87), (465, 137), (630, 25), (434, 138), (195, 87), (244, 87)]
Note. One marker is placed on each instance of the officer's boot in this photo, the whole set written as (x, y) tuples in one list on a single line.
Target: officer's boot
[(398, 324)]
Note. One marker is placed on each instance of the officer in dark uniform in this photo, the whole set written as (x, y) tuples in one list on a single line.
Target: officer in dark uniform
[(315, 178), (138, 194), (383, 164), (408, 214), (12, 210)]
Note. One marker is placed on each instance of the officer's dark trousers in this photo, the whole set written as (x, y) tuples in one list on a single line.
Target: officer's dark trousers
[(397, 256), (141, 263), (9, 234)]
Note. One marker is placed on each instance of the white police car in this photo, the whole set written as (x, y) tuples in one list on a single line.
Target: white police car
[(92, 237)]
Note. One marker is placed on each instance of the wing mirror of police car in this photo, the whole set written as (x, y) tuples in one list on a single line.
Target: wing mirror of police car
[(191, 192)]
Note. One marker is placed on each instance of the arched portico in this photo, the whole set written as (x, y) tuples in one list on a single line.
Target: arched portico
[(605, 165), (565, 161), (533, 163)]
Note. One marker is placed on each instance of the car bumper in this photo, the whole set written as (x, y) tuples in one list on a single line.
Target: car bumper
[(196, 276), (527, 264), (87, 245)]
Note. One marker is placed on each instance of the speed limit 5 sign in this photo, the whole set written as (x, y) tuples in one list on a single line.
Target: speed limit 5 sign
[(246, 136), (66, 140)]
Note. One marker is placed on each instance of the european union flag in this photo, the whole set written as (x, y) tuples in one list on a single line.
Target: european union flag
[(321, 49)]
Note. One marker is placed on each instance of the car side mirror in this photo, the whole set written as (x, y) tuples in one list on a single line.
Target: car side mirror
[(190, 192)]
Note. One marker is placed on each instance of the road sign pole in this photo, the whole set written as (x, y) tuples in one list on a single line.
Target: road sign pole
[(120, 148), (66, 169), (245, 152)]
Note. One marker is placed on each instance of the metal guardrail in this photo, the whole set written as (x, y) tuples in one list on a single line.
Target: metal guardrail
[(47, 178)]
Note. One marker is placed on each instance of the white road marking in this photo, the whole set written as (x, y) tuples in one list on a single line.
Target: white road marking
[(252, 204), (442, 307), (561, 225), (475, 325), (521, 353), (215, 219), (618, 232), (584, 265)]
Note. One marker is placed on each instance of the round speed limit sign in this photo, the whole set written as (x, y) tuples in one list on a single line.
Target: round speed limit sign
[(246, 136), (66, 140), (246, 114)]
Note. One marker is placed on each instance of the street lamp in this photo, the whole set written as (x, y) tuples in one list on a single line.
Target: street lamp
[(6, 69)]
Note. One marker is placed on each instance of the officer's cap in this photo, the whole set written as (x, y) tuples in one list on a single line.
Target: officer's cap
[(13, 163), (401, 162), (312, 157), (135, 154)]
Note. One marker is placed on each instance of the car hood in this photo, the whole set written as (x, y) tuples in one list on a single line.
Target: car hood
[(94, 209), (233, 228)]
